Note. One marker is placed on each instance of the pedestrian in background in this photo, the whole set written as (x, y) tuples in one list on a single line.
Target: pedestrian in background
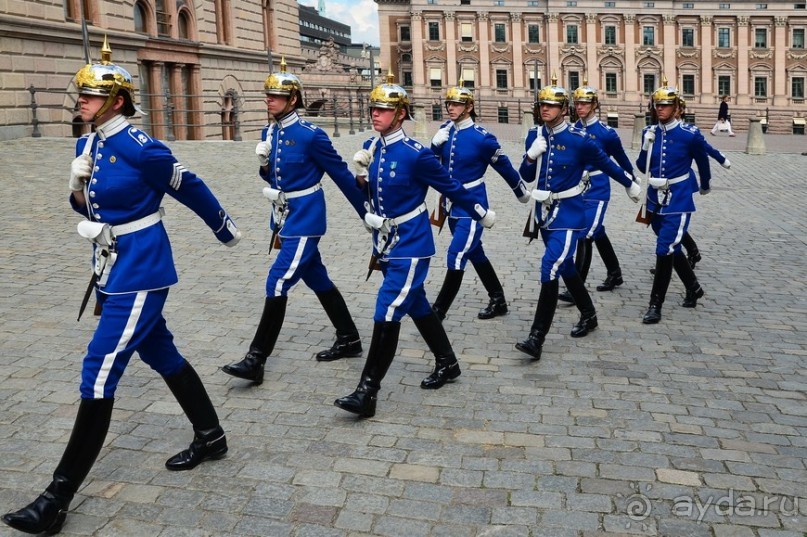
[(723, 123)]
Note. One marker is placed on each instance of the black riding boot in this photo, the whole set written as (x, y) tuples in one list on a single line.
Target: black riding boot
[(497, 304), (544, 312), (446, 367), (614, 272), (251, 367), (209, 442), (379, 357), (684, 270), (582, 262), (348, 342), (693, 253), (661, 281), (588, 315), (47, 513), (448, 292)]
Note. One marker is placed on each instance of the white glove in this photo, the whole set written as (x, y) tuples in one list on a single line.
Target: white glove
[(634, 192), (236, 238), (361, 161), (441, 137), (537, 148), (80, 172), (649, 138), (522, 192), (263, 149), (489, 219), (726, 164)]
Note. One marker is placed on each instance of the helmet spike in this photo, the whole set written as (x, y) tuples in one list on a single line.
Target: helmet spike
[(390, 76), (554, 78), (664, 80), (283, 64), (461, 83), (106, 52)]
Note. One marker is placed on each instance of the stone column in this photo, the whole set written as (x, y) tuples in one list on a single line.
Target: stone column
[(553, 47), (196, 115), (518, 51), (745, 91), (779, 45), (631, 75), (484, 49), (708, 80), (668, 36), (418, 67), (157, 101), (592, 74), (178, 99), (451, 47)]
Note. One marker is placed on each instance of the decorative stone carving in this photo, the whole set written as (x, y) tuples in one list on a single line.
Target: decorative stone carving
[(552, 17), (572, 49), (439, 46), (483, 15), (724, 54), (761, 54), (404, 50), (535, 49), (591, 18), (328, 59), (688, 53), (500, 50), (706, 20), (515, 17), (791, 55), (668, 19), (630, 18), (416, 15), (471, 47), (448, 15), (742, 21), (648, 52), (611, 51), (780, 21)]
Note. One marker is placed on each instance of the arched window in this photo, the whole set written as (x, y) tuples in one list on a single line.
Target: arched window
[(140, 18), (183, 25)]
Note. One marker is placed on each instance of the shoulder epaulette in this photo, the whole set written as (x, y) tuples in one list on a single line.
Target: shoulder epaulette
[(413, 144), (139, 136)]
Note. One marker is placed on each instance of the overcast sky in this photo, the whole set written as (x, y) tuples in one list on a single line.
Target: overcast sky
[(361, 15)]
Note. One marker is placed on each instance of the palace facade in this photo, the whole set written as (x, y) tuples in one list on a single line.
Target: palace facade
[(505, 49)]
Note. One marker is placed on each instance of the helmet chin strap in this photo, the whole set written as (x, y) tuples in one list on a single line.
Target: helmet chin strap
[(113, 93)]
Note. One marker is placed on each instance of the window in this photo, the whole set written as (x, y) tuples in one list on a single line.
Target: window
[(498, 3), (406, 34), (689, 5), (139, 18), (797, 87), (465, 2), (183, 25), (761, 6), (649, 83), (533, 33), (760, 87), (434, 31), (407, 78), (798, 38), (503, 115), (437, 112), (571, 3), (610, 4), (571, 34), (610, 82), (724, 6), (574, 80), (649, 4), (499, 34), (724, 85), (406, 58), (688, 37), (760, 38), (648, 36), (723, 37), (163, 19), (466, 32), (501, 79), (799, 6), (688, 84), (532, 3), (436, 77), (468, 76), (532, 81), (610, 35)]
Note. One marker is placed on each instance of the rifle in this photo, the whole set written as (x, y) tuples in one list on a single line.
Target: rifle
[(644, 180)]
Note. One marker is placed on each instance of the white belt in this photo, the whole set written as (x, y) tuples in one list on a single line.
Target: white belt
[(303, 192), (547, 197), (595, 173), (661, 182), (472, 184), (406, 217), (137, 225)]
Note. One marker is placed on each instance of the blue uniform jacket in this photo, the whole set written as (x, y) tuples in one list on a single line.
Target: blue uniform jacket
[(466, 155), (398, 180), (674, 149), (132, 172), (301, 154), (608, 139), (568, 152)]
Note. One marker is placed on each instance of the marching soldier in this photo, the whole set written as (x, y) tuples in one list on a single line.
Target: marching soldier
[(397, 172), (293, 155), (669, 147), (466, 150), (117, 181), (598, 194), (556, 156)]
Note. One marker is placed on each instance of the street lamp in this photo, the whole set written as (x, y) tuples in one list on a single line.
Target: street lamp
[(367, 52)]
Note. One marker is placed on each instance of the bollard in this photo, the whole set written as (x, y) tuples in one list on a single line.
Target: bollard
[(756, 142), (638, 127), (350, 112), (335, 120), (34, 121)]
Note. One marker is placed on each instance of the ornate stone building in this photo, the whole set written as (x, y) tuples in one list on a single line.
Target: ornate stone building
[(752, 51), (199, 65)]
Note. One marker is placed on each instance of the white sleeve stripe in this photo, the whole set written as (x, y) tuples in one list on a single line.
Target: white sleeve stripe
[(176, 178)]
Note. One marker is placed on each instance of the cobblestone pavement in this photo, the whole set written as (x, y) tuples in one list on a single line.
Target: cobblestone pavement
[(696, 426)]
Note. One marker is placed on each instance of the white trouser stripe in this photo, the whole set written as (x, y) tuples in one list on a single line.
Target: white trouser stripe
[(680, 234), (413, 263), (123, 342), (596, 222), (467, 246), (554, 271), (292, 268)]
